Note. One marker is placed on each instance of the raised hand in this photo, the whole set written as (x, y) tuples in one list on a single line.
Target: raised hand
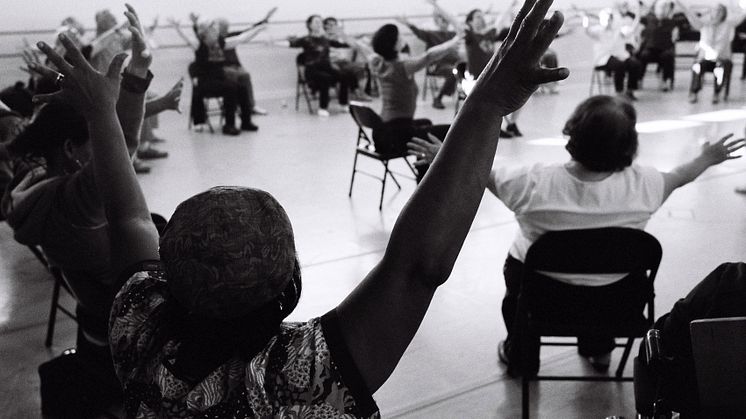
[(173, 97), (514, 73), (194, 18), (87, 90), (141, 55), (424, 150), (722, 150)]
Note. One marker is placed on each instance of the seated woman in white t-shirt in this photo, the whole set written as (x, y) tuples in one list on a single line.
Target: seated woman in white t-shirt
[(599, 187)]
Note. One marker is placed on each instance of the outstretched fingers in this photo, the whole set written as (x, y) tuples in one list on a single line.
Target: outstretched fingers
[(74, 55), (533, 21), (115, 67), (64, 67), (547, 33), (527, 5)]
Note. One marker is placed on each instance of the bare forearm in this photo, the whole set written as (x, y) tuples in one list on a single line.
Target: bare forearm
[(431, 229), (155, 106), (115, 177), (691, 170), (130, 110)]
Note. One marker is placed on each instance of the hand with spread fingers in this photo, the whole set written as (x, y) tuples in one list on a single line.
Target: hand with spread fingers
[(87, 90), (723, 149), (424, 150), (141, 55), (514, 73), (173, 97)]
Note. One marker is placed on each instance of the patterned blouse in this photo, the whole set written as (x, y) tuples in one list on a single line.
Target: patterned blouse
[(305, 371)]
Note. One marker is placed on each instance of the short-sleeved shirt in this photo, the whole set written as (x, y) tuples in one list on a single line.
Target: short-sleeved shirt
[(398, 90), (658, 33), (549, 198), (316, 49), (305, 371), (608, 42), (479, 49)]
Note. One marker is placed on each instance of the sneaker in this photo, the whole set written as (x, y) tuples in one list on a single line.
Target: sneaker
[(741, 190), (715, 99), (140, 167), (438, 104), (513, 129), (259, 111), (505, 134), (323, 113), (248, 126), (600, 363), (151, 153), (692, 98), (630, 95), (230, 130)]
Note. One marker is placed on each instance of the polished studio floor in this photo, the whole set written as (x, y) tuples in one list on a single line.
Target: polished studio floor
[(451, 369)]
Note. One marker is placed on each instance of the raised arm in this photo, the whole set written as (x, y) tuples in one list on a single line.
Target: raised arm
[(133, 236), (415, 64), (445, 14), (189, 41), (131, 105), (245, 36), (711, 155), (380, 317)]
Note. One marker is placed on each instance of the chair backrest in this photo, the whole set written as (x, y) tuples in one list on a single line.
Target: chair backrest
[(719, 349), (365, 117), (612, 250), (599, 250)]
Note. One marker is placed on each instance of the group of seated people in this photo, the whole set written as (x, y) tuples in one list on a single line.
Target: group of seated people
[(188, 320), (626, 41)]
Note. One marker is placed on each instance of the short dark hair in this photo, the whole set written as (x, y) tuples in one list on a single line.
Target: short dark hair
[(54, 123), (330, 19), (384, 41), (309, 19), (602, 134), (470, 15)]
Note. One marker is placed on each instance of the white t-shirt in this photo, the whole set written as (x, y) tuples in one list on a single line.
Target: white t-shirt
[(549, 198), (610, 42), (714, 41)]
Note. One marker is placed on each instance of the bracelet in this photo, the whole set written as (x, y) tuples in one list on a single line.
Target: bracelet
[(135, 84)]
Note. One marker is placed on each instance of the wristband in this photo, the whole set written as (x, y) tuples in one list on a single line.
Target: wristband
[(134, 84)]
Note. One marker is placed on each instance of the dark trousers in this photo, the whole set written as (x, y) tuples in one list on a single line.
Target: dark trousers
[(392, 137), (631, 69), (233, 95), (324, 76), (238, 74), (449, 79), (604, 304), (665, 58), (710, 66)]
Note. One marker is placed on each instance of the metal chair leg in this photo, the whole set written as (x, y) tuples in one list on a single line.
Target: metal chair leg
[(53, 313), (625, 356), (383, 184), (354, 170)]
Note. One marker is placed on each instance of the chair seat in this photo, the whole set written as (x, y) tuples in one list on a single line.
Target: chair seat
[(637, 328), (376, 155)]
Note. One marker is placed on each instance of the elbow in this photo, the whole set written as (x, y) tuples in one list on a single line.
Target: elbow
[(433, 274)]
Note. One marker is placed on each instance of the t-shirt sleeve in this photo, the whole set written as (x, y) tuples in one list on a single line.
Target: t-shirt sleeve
[(651, 186), (511, 186)]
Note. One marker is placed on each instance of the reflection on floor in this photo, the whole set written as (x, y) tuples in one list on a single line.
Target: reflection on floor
[(450, 369)]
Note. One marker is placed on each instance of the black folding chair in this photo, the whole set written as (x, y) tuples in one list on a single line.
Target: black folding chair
[(59, 283), (213, 105), (591, 251), (301, 85), (367, 118)]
